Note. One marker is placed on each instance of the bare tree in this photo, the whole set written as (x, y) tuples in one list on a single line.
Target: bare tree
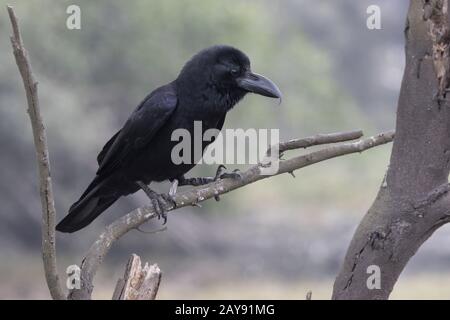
[(143, 282), (413, 200)]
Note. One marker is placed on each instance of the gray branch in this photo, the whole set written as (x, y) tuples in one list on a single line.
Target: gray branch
[(135, 218), (40, 143), (319, 139)]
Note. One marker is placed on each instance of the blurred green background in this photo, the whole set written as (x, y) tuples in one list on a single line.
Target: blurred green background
[(278, 238)]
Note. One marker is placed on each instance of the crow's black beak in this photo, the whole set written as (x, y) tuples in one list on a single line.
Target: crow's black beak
[(258, 84)]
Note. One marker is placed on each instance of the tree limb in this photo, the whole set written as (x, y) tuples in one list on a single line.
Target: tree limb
[(40, 143), (319, 139), (135, 218)]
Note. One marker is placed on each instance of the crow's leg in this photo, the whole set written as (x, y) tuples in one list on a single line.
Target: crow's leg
[(200, 181), (221, 173), (182, 181), (159, 201)]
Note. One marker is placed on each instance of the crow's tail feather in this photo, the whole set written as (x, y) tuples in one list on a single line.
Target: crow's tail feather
[(91, 204)]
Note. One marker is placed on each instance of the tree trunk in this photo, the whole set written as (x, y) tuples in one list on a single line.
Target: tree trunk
[(412, 201)]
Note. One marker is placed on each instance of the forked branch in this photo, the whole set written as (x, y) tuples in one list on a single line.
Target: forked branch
[(193, 196), (43, 160)]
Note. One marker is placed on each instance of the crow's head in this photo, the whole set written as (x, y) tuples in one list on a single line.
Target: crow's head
[(225, 72)]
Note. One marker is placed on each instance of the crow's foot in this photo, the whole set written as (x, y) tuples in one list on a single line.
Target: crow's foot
[(159, 201), (221, 173), (200, 181)]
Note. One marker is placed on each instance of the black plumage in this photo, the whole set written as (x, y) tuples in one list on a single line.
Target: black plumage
[(208, 86)]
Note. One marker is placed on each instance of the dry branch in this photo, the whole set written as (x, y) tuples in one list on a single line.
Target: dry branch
[(319, 139), (40, 143), (138, 283), (193, 196)]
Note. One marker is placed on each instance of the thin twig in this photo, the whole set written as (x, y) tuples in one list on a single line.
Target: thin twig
[(319, 139), (40, 143), (132, 220)]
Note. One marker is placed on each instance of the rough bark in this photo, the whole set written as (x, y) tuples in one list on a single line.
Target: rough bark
[(413, 199), (138, 283), (43, 161)]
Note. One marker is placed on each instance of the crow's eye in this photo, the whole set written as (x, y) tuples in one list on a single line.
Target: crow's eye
[(234, 72)]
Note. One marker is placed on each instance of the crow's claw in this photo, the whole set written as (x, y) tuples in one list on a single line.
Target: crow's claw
[(221, 169), (236, 174), (222, 174), (200, 181), (160, 202), (168, 198)]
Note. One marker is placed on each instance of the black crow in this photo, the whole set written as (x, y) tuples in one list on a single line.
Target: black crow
[(208, 86)]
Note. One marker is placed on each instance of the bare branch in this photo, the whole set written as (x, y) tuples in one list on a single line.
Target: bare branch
[(40, 142), (138, 283), (319, 139), (193, 196)]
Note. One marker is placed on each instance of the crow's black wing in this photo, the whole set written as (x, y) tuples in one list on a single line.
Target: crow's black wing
[(106, 147), (139, 129), (219, 125)]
